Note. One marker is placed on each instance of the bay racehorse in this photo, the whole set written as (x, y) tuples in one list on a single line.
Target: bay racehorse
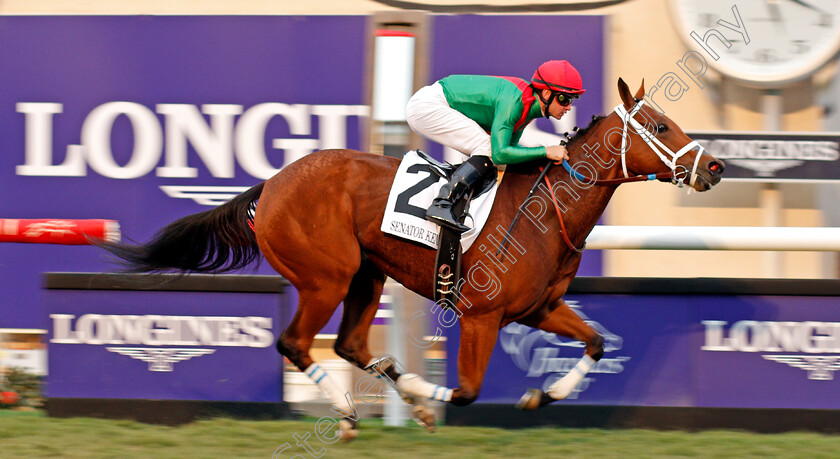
[(317, 222)]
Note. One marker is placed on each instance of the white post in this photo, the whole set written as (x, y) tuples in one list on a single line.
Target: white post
[(759, 238), (770, 197), (396, 411), (393, 85)]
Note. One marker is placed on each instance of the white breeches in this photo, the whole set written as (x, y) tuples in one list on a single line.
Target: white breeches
[(429, 114)]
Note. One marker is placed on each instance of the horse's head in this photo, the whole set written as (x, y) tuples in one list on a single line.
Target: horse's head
[(650, 143)]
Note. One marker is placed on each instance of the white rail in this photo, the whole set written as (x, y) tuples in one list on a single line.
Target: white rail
[(714, 238)]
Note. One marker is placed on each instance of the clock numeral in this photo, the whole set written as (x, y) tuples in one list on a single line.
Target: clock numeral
[(826, 20), (766, 55), (708, 20), (800, 46)]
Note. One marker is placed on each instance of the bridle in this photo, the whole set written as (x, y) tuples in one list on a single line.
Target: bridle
[(676, 175), (679, 172), (669, 158)]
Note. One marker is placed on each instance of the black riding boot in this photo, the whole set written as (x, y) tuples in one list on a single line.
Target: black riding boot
[(470, 173)]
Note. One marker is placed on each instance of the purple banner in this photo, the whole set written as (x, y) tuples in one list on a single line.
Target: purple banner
[(164, 345), (147, 119), (672, 350)]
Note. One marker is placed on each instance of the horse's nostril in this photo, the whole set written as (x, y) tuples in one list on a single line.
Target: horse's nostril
[(716, 167)]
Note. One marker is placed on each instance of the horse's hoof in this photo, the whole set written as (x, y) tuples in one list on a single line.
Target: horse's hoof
[(533, 399), (424, 417), (400, 387), (348, 430)]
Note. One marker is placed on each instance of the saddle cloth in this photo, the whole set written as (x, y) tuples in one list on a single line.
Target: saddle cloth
[(415, 187)]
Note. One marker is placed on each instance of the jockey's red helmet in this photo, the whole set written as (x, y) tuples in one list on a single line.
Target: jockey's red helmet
[(559, 76)]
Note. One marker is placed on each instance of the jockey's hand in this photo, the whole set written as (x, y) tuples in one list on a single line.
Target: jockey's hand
[(557, 153)]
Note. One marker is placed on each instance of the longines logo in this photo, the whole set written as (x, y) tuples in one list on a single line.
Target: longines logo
[(160, 359), (811, 346), (157, 335), (767, 154), (538, 353), (222, 136)]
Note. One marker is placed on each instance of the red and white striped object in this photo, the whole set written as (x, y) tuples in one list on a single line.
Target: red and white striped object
[(58, 231)]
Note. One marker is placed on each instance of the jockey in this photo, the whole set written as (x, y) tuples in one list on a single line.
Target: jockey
[(483, 117)]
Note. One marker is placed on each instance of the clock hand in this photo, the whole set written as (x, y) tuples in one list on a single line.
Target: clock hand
[(775, 14), (808, 5)]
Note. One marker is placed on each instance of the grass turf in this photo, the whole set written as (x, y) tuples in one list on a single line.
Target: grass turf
[(31, 434)]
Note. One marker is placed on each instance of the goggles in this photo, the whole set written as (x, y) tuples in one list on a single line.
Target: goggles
[(566, 99)]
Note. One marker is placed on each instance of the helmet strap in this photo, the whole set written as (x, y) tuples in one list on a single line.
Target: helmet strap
[(546, 103)]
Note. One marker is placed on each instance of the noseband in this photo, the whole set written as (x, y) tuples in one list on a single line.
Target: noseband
[(679, 172)]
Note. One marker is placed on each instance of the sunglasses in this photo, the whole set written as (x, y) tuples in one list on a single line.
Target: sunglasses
[(566, 99)]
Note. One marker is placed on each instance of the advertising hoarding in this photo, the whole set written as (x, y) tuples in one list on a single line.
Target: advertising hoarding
[(145, 119), (675, 349)]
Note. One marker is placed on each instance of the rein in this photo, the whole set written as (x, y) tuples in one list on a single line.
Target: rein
[(586, 181), (610, 182), (563, 231), (676, 175)]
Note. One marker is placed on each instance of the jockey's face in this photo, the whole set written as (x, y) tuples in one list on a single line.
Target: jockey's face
[(554, 110)]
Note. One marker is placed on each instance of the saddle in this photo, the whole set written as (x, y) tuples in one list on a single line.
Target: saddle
[(448, 261)]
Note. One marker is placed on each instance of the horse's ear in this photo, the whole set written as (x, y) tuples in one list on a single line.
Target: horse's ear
[(640, 94), (624, 93)]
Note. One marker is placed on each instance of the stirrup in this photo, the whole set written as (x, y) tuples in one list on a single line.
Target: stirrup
[(459, 228)]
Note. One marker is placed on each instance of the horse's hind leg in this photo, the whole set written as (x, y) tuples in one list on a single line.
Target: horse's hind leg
[(360, 306), (560, 319), (315, 307)]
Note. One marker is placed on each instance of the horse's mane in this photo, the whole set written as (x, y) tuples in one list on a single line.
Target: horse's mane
[(581, 133), (530, 166)]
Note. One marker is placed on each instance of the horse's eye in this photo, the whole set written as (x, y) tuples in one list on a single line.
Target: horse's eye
[(661, 128)]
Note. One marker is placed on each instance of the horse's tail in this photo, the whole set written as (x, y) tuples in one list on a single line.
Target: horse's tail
[(217, 240)]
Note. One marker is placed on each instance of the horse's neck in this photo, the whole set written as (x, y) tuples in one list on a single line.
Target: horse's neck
[(585, 206), (590, 156), (593, 153)]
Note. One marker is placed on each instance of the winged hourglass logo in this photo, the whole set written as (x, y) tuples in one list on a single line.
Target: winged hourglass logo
[(819, 367), (160, 359)]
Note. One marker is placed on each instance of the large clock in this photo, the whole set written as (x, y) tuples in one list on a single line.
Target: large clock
[(788, 39)]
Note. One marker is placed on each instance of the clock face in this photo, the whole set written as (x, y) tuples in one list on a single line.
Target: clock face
[(788, 39)]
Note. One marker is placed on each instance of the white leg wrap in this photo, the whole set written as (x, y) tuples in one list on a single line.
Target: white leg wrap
[(564, 386), (413, 384), (325, 382)]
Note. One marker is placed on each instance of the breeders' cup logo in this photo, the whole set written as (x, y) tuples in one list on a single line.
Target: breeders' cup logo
[(538, 352), (153, 332), (809, 344)]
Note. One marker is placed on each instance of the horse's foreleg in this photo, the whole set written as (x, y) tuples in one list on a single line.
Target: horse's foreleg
[(564, 322), (478, 337)]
